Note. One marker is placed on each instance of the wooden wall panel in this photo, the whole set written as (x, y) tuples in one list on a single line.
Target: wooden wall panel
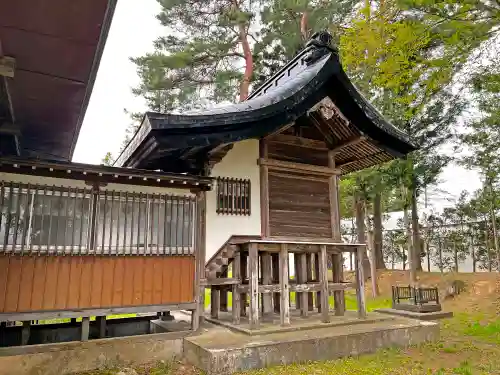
[(297, 154), (299, 206), (78, 282)]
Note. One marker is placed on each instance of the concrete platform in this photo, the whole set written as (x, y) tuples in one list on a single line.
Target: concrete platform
[(223, 351), (271, 323), (427, 316)]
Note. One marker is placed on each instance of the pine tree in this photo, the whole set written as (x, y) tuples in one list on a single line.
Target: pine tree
[(206, 57)]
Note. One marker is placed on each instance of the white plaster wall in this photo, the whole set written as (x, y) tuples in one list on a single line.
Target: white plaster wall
[(240, 162)]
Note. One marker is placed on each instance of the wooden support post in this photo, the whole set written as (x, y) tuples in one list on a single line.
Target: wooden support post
[(25, 332), (267, 278), (253, 261), (304, 297), (244, 279), (214, 302), (337, 259), (317, 278), (276, 280), (338, 296), (223, 293), (360, 282), (298, 280), (236, 309), (323, 276), (284, 286), (199, 289), (309, 268), (85, 328), (264, 190), (101, 324)]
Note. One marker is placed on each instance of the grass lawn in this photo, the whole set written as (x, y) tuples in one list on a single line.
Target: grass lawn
[(469, 344)]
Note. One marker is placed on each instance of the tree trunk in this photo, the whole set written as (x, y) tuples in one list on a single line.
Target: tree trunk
[(417, 259), (371, 246), (487, 243), (377, 232), (473, 252), (440, 249), (360, 227), (455, 255), (303, 26), (247, 52), (427, 252), (494, 225), (411, 264)]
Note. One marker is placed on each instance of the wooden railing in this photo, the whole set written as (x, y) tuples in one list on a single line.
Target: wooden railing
[(60, 220)]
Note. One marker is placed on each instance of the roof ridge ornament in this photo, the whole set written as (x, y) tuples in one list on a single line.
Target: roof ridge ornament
[(322, 42)]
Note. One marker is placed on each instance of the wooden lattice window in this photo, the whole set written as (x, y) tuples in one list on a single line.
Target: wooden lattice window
[(233, 196)]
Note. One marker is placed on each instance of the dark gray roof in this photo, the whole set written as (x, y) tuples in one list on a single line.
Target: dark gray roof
[(314, 74)]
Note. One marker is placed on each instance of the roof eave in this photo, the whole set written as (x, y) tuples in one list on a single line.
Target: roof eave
[(108, 17)]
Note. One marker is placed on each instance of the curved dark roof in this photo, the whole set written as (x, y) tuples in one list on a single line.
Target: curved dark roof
[(291, 93)]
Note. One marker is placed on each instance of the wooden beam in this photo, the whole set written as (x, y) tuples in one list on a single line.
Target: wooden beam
[(200, 251), (299, 288), (7, 66), (323, 128), (101, 324), (267, 278), (323, 275), (288, 166), (350, 142), (292, 140), (236, 309), (264, 191), (284, 286), (276, 280), (253, 261), (282, 129), (220, 281)]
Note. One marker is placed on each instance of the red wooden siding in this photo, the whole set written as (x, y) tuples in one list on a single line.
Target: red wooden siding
[(33, 283)]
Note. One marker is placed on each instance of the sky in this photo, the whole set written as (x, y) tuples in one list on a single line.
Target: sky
[(133, 30)]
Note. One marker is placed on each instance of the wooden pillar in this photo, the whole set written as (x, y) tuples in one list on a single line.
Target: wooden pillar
[(337, 259), (214, 302), (267, 278), (223, 293), (276, 280), (302, 278), (253, 261), (309, 269), (317, 278), (338, 296), (284, 286), (25, 332), (244, 280), (85, 328), (298, 280), (360, 282), (264, 191), (101, 324), (199, 292), (236, 310), (323, 279)]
